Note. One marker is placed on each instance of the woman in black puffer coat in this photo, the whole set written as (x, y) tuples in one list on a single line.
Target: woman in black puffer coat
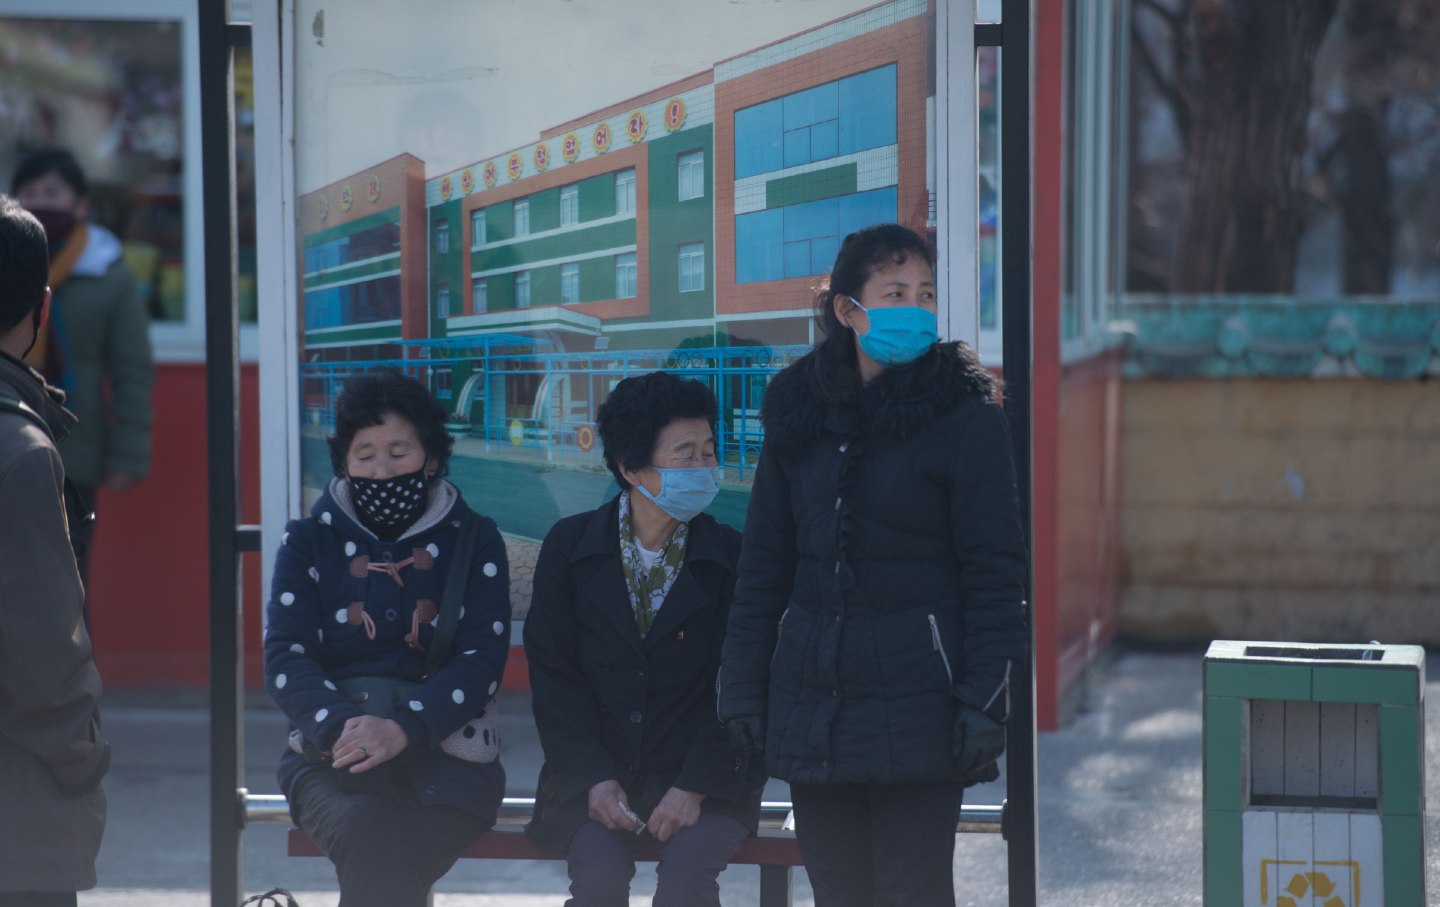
[(878, 614)]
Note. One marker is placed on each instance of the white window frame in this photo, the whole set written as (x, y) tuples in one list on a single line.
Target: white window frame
[(521, 217), (690, 169), (625, 191), (442, 236), (480, 296), (689, 253), (570, 283), (627, 275), (477, 228), (442, 300), (570, 205), (183, 340), (522, 289)]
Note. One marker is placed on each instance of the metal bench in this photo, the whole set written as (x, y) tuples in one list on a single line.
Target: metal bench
[(773, 850)]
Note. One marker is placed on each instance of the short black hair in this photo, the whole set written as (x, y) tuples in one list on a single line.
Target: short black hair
[(364, 402), (639, 408), (54, 160), (24, 264)]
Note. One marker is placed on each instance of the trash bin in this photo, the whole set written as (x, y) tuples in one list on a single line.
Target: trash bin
[(1314, 775)]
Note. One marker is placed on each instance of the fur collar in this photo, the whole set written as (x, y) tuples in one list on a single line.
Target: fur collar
[(900, 403)]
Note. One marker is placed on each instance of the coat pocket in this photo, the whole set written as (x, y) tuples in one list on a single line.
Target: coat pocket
[(938, 644)]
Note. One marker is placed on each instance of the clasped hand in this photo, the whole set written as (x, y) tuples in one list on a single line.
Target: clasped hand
[(676, 811), (368, 742)]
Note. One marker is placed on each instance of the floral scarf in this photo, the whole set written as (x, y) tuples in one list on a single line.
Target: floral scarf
[(648, 588)]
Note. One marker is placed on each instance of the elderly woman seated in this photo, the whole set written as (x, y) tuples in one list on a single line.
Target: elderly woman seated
[(386, 635), (623, 641)]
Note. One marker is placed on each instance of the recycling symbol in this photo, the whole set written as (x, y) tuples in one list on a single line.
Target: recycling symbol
[(1303, 884)]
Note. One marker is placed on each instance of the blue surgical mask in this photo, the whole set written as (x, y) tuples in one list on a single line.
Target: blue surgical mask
[(685, 493), (898, 335)]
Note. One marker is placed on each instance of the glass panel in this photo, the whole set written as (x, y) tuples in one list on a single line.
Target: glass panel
[(110, 92), (718, 287)]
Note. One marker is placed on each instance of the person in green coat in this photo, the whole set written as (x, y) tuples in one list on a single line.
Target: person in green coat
[(98, 336)]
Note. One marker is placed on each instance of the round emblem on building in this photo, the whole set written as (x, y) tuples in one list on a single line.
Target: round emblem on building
[(570, 147), (447, 189), (542, 156), (674, 114), (374, 187), (515, 165), (636, 125), (347, 197), (322, 207), (467, 181), (601, 138), (585, 438), (489, 173)]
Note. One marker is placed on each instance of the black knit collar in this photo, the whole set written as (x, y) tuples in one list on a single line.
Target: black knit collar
[(898, 403)]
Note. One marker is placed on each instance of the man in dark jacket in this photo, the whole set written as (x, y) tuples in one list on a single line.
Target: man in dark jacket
[(623, 641), (52, 755)]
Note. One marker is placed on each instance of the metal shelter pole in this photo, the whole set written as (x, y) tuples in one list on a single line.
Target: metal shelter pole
[(227, 538), (1020, 807)]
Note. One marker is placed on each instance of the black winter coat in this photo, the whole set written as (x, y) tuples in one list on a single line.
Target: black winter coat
[(611, 705), (881, 582)]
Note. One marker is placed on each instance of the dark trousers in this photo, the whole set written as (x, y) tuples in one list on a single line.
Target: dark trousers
[(388, 850), (37, 898), (602, 863), (878, 845)]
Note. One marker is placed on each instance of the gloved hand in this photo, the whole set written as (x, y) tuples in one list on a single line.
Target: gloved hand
[(975, 740), (747, 733)]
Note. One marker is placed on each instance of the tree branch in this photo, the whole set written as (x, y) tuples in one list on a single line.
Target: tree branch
[(1169, 89)]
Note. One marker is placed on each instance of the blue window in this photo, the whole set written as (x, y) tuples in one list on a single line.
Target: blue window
[(802, 240), (353, 304), (853, 114)]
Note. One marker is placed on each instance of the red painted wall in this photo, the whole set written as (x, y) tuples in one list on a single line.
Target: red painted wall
[(1087, 515), (1048, 56), (149, 570)]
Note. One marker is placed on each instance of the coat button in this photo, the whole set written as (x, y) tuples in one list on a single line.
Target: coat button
[(636, 718), (640, 674), (429, 788), (838, 502), (391, 614), (835, 693), (837, 568)]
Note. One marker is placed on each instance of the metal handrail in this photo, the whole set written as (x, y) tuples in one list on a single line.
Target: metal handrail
[(273, 809)]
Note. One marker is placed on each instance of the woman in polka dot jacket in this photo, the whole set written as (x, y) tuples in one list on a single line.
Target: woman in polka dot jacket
[(356, 592)]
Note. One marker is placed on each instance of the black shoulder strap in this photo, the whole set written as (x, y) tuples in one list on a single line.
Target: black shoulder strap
[(453, 597), (9, 404)]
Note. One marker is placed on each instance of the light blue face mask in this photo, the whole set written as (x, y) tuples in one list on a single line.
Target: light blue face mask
[(685, 493), (898, 335)]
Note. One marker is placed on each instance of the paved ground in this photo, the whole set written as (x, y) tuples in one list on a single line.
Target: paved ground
[(1119, 792)]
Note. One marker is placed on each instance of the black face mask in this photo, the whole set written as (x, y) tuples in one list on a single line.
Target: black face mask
[(387, 507), (58, 227)]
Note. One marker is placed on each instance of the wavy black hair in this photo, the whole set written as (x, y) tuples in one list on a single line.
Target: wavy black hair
[(861, 254), (366, 400), (639, 408)]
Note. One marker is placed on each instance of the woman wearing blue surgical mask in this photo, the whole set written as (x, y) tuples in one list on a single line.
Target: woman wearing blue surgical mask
[(623, 641), (878, 613)]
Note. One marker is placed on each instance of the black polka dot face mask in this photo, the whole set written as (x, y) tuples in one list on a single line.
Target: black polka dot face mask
[(387, 507)]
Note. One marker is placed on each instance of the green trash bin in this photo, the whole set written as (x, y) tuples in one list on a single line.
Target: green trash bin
[(1314, 775)]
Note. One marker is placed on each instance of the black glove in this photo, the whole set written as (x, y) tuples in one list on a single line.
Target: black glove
[(976, 740), (747, 733)]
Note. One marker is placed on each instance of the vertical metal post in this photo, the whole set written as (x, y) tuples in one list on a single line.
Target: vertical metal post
[(222, 421), (1015, 162), (776, 889)]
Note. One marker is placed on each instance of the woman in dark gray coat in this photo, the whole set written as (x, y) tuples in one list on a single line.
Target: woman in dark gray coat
[(878, 611), (623, 641)]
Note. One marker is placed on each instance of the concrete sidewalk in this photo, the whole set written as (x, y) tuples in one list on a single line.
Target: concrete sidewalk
[(1119, 793)]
